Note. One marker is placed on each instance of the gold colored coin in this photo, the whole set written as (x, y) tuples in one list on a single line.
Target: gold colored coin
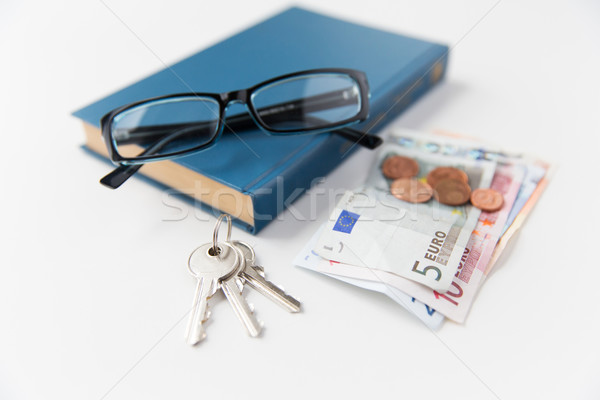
[(489, 200), (411, 190), (440, 173), (396, 167), (452, 192)]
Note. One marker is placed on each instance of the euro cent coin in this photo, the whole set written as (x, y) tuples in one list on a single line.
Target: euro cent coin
[(411, 190), (396, 167), (440, 173), (488, 200), (452, 192)]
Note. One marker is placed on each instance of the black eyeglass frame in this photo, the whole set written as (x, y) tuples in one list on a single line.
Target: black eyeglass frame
[(237, 96)]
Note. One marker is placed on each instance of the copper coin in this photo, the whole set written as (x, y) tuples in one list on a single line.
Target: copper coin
[(396, 167), (452, 192), (489, 200), (411, 190), (440, 173)]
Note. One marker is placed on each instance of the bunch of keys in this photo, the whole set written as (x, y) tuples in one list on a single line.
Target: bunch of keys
[(227, 266)]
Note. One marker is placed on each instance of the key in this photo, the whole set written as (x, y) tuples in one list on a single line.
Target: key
[(233, 292), (254, 276), (210, 269)]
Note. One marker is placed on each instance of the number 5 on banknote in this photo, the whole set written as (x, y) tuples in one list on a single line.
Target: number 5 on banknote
[(424, 271)]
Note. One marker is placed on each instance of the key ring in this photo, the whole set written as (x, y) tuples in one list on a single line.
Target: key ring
[(214, 247)]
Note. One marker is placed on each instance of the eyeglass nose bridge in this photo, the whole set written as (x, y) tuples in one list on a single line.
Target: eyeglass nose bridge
[(242, 121), (237, 96)]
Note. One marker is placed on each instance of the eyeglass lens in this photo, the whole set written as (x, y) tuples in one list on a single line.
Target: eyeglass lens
[(166, 126), (307, 102)]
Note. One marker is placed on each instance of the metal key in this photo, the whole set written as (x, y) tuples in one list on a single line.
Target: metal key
[(233, 292), (210, 269), (254, 276)]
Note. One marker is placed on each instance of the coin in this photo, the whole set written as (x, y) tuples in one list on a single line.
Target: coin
[(440, 173), (396, 167), (411, 190), (488, 200), (452, 192)]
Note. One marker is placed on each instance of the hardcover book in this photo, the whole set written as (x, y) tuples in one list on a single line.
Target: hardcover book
[(252, 176)]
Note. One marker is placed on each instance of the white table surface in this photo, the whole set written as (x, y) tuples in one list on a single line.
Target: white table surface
[(93, 287)]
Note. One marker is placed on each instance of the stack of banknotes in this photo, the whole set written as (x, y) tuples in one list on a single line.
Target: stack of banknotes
[(428, 253)]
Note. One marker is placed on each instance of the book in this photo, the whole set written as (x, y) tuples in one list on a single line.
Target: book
[(253, 176)]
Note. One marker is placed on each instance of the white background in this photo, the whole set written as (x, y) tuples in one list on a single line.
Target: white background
[(93, 286)]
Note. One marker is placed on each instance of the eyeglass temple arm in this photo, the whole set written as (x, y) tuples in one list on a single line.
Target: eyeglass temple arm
[(123, 172), (362, 138), (119, 175), (244, 122)]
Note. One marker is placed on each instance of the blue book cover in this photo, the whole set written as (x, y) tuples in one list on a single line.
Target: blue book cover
[(253, 176)]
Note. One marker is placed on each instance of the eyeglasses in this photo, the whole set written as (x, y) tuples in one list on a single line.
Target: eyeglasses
[(166, 127)]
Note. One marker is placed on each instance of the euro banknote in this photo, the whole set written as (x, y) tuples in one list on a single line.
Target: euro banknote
[(455, 302), (520, 180), (423, 242)]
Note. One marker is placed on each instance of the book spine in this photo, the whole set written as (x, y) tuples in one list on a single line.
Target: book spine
[(283, 187)]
